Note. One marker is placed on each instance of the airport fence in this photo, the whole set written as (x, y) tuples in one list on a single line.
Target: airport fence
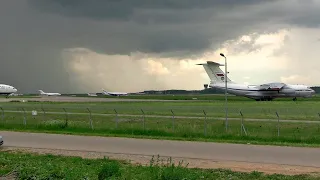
[(138, 121)]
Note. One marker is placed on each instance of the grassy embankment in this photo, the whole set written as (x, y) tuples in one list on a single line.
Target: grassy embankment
[(31, 166), (104, 121)]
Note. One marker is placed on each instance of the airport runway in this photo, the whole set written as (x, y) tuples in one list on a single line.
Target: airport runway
[(83, 99), (295, 156)]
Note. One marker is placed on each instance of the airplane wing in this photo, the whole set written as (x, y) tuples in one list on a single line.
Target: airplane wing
[(271, 86)]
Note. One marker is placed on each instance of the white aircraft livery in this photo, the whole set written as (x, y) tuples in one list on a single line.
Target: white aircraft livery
[(114, 93), (92, 94), (7, 89), (263, 92), (49, 94)]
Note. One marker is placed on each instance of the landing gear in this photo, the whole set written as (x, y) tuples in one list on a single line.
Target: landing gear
[(264, 99), (8, 96)]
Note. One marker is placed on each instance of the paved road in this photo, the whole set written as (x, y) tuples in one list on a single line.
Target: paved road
[(176, 149)]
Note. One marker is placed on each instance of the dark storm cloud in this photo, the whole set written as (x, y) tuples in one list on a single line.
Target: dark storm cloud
[(125, 9), (186, 26), (34, 32), (28, 59), (121, 27), (167, 26)]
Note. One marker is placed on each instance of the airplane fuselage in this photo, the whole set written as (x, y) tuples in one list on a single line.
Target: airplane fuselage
[(265, 91), (51, 94), (114, 93), (48, 94), (7, 89), (253, 91)]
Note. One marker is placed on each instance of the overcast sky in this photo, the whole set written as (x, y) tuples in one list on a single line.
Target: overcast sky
[(134, 45)]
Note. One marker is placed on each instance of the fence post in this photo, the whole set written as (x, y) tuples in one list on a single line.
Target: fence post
[(24, 117), (116, 118), (90, 118), (2, 111), (44, 113), (172, 120), (144, 124), (66, 113), (243, 129), (318, 123), (157, 125), (278, 123), (131, 121), (205, 123)]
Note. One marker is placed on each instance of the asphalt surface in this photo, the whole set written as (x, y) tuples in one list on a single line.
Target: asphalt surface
[(309, 157), (83, 99)]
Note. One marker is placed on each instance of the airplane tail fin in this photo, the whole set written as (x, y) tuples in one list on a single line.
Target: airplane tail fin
[(214, 72), (105, 92), (41, 92)]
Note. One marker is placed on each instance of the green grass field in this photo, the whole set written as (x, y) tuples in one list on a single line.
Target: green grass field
[(212, 97), (31, 166), (199, 97), (131, 123), (301, 110)]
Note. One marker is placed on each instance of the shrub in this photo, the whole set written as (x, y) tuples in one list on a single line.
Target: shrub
[(111, 169)]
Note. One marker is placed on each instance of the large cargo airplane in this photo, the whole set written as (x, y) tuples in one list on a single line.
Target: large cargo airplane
[(7, 90), (263, 92), (114, 93), (49, 94)]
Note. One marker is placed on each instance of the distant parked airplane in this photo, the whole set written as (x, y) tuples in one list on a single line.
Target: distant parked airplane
[(263, 92), (49, 94), (7, 90), (92, 94), (114, 93)]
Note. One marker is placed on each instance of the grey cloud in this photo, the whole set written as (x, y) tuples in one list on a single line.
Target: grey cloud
[(242, 46), (122, 27), (125, 9), (189, 27), (157, 27)]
